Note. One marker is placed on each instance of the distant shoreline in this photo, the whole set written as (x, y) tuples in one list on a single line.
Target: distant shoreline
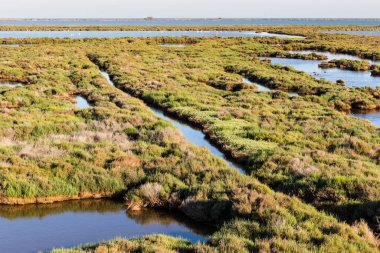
[(127, 19)]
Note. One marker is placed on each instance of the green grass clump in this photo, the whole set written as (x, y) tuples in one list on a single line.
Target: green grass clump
[(300, 146)]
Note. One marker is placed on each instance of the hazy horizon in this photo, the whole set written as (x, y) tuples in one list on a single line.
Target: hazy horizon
[(119, 9)]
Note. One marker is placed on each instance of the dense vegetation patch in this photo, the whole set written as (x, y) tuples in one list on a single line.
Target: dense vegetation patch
[(301, 146)]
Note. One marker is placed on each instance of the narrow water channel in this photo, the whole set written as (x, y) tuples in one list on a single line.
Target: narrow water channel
[(34, 228), (191, 134), (259, 86), (263, 88)]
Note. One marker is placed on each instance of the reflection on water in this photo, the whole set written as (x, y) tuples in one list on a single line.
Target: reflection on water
[(82, 103), (197, 137), (32, 228), (191, 134), (351, 78), (135, 34), (260, 87), (372, 116), (335, 56)]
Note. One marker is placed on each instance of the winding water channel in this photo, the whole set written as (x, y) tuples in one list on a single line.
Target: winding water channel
[(34, 228), (191, 134)]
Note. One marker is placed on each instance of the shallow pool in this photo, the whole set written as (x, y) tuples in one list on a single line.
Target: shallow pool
[(33, 228)]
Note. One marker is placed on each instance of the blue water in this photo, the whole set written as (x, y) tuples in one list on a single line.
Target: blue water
[(360, 33), (351, 78), (335, 56), (263, 88), (260, 87), (371, 116), (154, 22), (134, 34), (82, 103), (34, 228), (107, 77), (191, 134)]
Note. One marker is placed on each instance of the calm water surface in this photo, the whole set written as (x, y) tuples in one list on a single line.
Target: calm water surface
[(371, 116), (335, 56), (352, 78), (263, 88), (134, 34), (82, 103), (191, 134), (33, 228), (107, 77), (154, 22)]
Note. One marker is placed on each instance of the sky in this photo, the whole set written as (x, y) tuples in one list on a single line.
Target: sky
[(189, 8)]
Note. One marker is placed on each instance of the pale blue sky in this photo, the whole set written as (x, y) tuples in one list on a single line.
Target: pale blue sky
[(189, 8)]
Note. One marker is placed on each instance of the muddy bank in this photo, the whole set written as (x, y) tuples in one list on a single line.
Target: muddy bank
[(60, 198)]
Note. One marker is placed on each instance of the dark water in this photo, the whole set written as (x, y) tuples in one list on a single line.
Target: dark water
[(33, 228), (82, 103), (197, 137), (154, 22), (371, 116), (134, 34), (360, 33), (352, 78), (191, 134)]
